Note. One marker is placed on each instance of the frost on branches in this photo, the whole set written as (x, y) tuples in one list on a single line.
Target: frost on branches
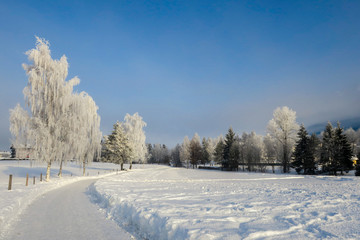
[(61, 125), (283, 128), (133, 126)]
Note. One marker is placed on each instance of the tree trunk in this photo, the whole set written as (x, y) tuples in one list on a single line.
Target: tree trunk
[(48, 172), (60, 170), (285, 162), (122, 166), (84, 168), (130, 165)]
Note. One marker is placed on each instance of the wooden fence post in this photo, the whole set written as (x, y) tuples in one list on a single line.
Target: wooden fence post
[(40, 177), (27, 179), (34, 181), (10, 181)]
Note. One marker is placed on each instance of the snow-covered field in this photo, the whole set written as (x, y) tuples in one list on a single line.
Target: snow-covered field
[(13, 202), (169, 203), (158, 202)]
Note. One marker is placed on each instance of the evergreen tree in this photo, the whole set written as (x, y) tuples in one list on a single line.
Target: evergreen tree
[(327, 149), (229, 140), (195, 150), (343, 152), (205, 152), (219, 151), (336, 150), (175, 156), (304, 155), (311, 165), (235, 155), (118, 148), (301, 149)]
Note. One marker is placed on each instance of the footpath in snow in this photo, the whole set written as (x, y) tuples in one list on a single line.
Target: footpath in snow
[(65, 213), (171, 203), (16, 201)]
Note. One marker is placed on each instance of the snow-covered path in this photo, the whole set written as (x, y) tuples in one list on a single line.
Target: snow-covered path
[(66, 213)]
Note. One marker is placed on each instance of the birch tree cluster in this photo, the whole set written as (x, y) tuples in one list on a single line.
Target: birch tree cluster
[(60, 124), (126, 143)]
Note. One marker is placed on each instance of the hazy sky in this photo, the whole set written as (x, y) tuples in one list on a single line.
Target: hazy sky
[(192, 66)]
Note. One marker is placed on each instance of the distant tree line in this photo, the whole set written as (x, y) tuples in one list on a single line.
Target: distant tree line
[(286, 144)]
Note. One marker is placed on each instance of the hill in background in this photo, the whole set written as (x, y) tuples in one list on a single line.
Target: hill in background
[(345, 123)]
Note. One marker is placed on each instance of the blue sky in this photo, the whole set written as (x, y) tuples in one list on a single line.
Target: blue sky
[(192, 66)]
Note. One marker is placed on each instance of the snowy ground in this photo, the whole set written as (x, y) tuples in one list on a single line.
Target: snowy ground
[(169, 203), (14, 202), (157, 202), (68, 214)]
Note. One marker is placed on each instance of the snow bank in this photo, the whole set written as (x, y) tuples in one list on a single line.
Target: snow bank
[(170, 203), (146, 223), (14, 202)]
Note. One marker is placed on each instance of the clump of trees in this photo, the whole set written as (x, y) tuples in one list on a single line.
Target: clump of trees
[(160, 154), (59, 124), (333, 153), (335, 150), (126, 143)]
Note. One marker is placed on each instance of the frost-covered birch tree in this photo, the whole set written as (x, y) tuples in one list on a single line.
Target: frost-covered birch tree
[(20, 126), (53, 113), (252, 150), (353, 138), (271, 150), (133, 126), (283, 128), (185, 152), (195, 150), (85, 134)]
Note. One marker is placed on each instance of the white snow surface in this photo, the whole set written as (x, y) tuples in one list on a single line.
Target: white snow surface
[(69, 215), (158, 202), (175, 203), (14, 202)]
